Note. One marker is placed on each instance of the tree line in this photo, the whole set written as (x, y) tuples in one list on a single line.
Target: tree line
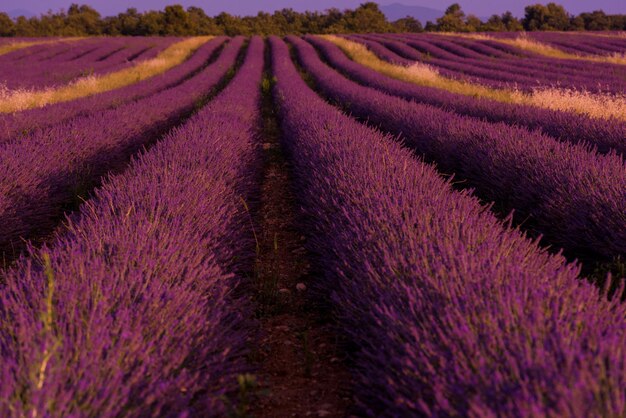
[(83, 20)]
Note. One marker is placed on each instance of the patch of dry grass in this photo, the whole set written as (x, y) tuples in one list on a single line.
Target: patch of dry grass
[(417, 73), (16, 100), (603, 106)]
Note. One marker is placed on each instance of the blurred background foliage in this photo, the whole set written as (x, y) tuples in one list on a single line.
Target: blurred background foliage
[(83, 20)]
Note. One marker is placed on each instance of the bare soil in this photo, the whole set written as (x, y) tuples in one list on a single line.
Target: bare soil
[(301, 371)]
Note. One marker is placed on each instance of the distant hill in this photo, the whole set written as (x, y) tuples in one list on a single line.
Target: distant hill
[(20, 12), (397, 11)]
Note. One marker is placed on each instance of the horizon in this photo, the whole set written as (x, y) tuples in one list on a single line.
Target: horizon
[(250, 7)]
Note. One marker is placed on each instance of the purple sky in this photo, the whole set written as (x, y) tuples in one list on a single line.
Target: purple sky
[(212, 7)]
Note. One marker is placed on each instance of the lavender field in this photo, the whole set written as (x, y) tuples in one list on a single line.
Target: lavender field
[(380, 225)]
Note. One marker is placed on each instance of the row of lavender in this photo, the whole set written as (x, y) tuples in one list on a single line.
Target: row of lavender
[(15, 126), (578, 43), (527, 71), (451, 312), (545, 71), (571, 194), (42, 174), (50, 65), (564, 126), (132, 311), (424, 279), (486, 63)]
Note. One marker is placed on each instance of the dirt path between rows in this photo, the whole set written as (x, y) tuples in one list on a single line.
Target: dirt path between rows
[(301, 369)]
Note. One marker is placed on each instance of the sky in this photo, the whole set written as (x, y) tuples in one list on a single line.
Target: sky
[(247, 7)]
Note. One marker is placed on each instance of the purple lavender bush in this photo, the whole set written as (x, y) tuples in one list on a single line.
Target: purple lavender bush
[(572, 195), (132, 311), (450, 312), (564, 126), (42, 174), (18, 125)]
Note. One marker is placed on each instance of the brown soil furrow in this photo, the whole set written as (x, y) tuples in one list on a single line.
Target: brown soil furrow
[(301, 370)]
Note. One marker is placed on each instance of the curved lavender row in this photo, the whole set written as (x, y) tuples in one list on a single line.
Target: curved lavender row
[(501, 75), (43, 173), (510, 49), (394, 57), (582, 43), (581, 48), (64, 68), (547, 64), (586, 67), (452, 49), (451, 313), (382, 52), (455, 67), (142, 319), (564, 126), (111, 61), (572, 195), (447, 55), (78, 48), (149, 48), (37, 51), (481, 48), (19, 124)]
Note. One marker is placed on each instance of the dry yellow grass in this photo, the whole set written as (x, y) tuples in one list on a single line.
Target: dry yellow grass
[(15, 100), (14, 46), (530, 45), (601, 106), (417, 73), (594, 105)]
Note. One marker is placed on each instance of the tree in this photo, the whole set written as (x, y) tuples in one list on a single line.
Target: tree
[(597, 20), (25, 27), (201, 24), (175, 21), (128, 22), (232, 25), (408, 24), (288, 21), (430, 26), (472, 24), (511, 23), (82, 20), (366, 18), (263, 23), (549, 17), (453, 20), (618, 22), (52, 24), (576, 23), (332, 21), (7, 27), (151, 23)]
